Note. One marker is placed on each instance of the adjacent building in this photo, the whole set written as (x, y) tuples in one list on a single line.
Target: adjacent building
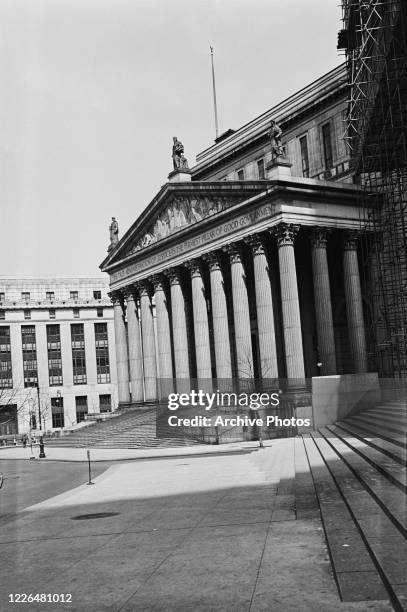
[(57, 357)]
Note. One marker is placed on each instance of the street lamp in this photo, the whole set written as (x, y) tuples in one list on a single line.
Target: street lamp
[(39, 405)]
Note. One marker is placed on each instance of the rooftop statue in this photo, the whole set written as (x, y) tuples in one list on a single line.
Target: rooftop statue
[(277, 149), (178, 159), (114, 233)]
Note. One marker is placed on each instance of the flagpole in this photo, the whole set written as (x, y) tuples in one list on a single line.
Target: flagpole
[(214, 95)]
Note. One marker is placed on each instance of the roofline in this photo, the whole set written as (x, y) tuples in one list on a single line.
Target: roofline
[(279, 112)]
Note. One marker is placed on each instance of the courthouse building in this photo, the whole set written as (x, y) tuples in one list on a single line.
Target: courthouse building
[(246, 266), (57, 358)]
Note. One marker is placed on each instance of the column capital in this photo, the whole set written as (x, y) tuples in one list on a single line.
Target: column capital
[(350, 240), (129, 293), (285, 233), (256, 243), (116, 297), (194, 266), (157, 280), (174, 275), (234, 251), (143, 287), (214, 260), (319, 237)]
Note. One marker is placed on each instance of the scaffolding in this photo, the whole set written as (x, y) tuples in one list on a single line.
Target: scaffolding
[(374, 38)]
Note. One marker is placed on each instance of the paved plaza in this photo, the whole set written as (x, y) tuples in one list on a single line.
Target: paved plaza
[(216, 532)]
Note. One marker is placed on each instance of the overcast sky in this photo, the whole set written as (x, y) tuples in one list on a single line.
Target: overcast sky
[(92, 92)]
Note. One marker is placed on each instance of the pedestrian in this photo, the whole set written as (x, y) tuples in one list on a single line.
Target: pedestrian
[(25, 440)]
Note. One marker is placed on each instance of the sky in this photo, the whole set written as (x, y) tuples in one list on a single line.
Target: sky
[(92, 92)]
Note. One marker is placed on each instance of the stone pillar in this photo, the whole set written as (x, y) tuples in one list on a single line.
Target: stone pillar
[(179, 330), (122, 359), (135, 352), (322, 298), (147, 335), (294, 355), (354, 305), (241, 315), (163, 337), (201, 325), (219, 318), (264, 309)]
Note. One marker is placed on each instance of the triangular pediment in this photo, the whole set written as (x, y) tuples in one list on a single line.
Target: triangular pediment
[(177, 206)]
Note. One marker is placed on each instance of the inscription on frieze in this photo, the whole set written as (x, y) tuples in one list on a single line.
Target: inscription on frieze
[(229, 227)]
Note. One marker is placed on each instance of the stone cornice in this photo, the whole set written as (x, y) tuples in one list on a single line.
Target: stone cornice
[(307, 190)]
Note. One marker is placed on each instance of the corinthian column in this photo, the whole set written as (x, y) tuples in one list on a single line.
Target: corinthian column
[(163, 337), (241, 315), (264, 309), (285, 234), (201, 325), (147, 334), (354, 304), (135, 354), (122, 359), (219, 318), (323, 305), (179, 329)]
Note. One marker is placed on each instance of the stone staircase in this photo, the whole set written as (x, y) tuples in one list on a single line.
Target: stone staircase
[(134, 428), (351, 475), (358, 468)]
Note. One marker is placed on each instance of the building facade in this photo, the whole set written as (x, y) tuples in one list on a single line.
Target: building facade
[(57, 353), (249, 261)]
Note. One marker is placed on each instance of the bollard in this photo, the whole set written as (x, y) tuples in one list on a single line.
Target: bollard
[(90, 473), (42, 452)]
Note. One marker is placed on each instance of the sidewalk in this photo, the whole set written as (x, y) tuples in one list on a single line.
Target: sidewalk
[(53, 453)]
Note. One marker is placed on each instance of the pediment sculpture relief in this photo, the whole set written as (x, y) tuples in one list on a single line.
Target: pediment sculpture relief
[(182, 211)]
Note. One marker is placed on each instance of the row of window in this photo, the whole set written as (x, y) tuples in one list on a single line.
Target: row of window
[(52, 313), (327, 152), (50, 295), (81, 406), (30, 364)]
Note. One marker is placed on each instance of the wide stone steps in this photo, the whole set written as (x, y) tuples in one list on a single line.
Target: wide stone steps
[(133, 429), (358, 467)]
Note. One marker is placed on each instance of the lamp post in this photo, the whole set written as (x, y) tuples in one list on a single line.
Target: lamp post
[(39, 405)]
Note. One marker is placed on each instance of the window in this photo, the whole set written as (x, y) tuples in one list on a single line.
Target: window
[(260, 169), (29, 346), (327, 145), (304, 156), (78, 354), (75, 313), (2, 314), (57, 409), (2, 297), (99, 312), (50, 295), (105, 403), (54, 355), (6, 373), (51, 313), (73, 295), (97, 295), (81, 402), (33, 420), (27, 314), (102, 353), (240, 175), (25, 295)]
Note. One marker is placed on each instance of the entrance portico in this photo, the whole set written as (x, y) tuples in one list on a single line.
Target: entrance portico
[(231, 272)]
